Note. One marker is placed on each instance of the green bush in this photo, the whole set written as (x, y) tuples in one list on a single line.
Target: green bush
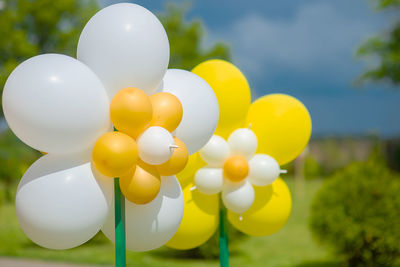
[(357, 214)]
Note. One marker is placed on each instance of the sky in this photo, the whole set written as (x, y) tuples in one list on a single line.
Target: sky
[(304, 48)]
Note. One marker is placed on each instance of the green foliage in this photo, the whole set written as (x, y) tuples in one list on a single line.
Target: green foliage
[(356, 212), (312, 169)]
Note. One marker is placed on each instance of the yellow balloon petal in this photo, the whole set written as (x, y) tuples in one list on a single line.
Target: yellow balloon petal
[(269, 212), (232, 91), (200, 220), (282, 125)]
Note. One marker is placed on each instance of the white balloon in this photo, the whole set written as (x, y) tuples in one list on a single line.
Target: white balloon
[(215, 152), (56, 104), (264, 170), (59, 203), (151, 225), (155, 145), (209, 180), (200, 107), (243, 142), (238, 197), (126, 46)]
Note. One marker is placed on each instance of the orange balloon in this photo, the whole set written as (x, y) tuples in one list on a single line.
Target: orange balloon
[(142, 184), (236, 168), (131, 111), (167, 111), (114, 154), (177, 161)]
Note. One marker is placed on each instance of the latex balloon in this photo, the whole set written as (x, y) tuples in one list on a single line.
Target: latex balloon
[(215, 152), (200, 107), (243, 142), (131, 111), (177, 162), (232, 91), (282, 125), (236, 168), (264, 170), (151, 225), (209, 180), (141, 185), (269, 212), (115, 154), (167, 111), (200, 220), (59, 203), (238, 197), (186, 175), (54, 103), (126, 46), (156, 145)]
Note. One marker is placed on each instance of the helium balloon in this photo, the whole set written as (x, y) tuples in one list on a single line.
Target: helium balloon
[(186, 175), (177, 162), (264, 170), (54, 103), (59, 202), (232, 91), (209, 180), (243, 142), (131, 111), (126, 46), (236, 168), (167, 111), (151, 225), (200, 220), (156, 145), (115, 154), (269, 212), (215, 152), (285, 132), (200, 107), (238, 197)]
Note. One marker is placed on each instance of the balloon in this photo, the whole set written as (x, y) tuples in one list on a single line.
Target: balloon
[(186, 175), (243, 142), (238, 197), (215, 152), (264, 170), (59, 203), (126, 46), (282, 125), (200, 107), (115, 154), (177, 162), (167, 111), (141, 185), (236, 168), (269, 212), (232, 91), (209, 180), (151, 225), (54, 103), (156, 145), (200, 220), (131, 111)]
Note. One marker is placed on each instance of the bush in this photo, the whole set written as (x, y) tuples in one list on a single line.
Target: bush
[(357, 214)]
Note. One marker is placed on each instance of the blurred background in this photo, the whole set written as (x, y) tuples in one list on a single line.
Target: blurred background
[(340, 58)]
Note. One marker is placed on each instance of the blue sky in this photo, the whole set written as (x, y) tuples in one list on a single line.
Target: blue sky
[(304, 48)]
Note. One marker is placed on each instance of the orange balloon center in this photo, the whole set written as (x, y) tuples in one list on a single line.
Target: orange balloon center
[(236, 168)]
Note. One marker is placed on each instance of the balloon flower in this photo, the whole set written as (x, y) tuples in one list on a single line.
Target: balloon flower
[(116, 127), (241, 162)]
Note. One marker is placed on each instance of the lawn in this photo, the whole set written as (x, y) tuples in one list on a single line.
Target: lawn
[(292, 246)]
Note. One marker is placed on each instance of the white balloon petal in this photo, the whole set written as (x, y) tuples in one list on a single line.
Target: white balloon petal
[(209, 180), (215, 152), (155, 145), (238, 197), (264, 170), (243, 142)]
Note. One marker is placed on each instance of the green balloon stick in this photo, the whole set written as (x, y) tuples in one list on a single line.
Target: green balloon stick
[(120, 244), (223, 239)]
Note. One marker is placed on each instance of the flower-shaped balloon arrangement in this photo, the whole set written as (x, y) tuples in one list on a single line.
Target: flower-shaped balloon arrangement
[(65, 106)]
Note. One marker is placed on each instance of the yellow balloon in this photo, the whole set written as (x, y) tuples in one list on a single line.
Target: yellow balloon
[(282, 125), (194, 163), (176, 162), (115, 154), (232, 91), (131, 111), (269, 212), (142, 184), (200, 220), (167, 111)]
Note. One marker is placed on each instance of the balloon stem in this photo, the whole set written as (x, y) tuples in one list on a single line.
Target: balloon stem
[(240, 218), (249, 126), (120, 244), (223, 239), (283, 171), (173, 146), (193, 188)]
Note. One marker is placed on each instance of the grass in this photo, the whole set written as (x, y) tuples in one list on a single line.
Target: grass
[(292, 246)]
